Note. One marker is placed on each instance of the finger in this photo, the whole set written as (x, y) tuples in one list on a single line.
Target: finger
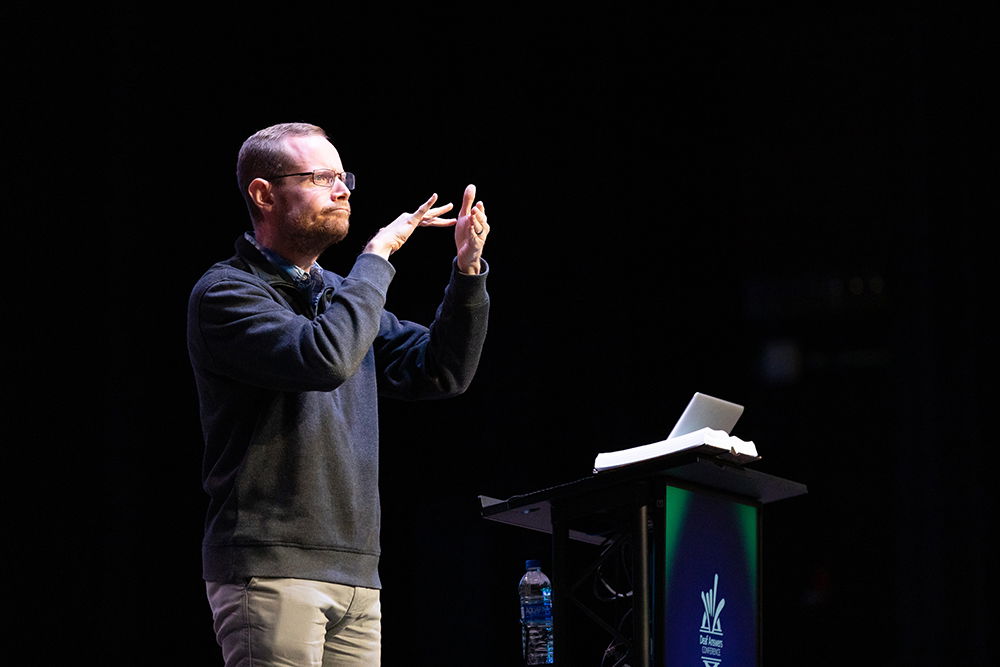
[(467, 198), (479, 220), (426, 206), (436, 212), (482, 224), (438, 222), (479, 213)]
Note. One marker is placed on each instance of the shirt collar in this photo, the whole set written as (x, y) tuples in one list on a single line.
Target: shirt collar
[(299, 276)]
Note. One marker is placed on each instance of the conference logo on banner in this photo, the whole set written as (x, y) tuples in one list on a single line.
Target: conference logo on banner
[(710, 633)]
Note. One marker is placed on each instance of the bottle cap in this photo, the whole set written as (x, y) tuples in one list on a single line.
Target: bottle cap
[(528, 564)]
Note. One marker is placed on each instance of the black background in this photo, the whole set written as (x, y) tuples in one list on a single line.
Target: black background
[(782, 209)]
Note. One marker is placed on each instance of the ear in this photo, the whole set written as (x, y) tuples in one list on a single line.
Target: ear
[(261, 194)]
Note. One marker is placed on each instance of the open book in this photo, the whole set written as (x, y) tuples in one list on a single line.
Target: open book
[(711, 440)]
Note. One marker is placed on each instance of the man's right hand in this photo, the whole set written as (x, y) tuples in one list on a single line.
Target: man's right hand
[(391, 238)]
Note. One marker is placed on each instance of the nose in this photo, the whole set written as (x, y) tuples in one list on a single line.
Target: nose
[(339, 190)]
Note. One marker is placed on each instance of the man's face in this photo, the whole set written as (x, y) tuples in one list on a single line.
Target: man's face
[(312, 217)]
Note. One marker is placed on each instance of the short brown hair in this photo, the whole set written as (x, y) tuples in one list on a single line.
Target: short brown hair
[(263, 155)]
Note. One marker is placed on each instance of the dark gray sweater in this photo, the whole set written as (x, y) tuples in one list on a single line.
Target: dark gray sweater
[(288, 395)]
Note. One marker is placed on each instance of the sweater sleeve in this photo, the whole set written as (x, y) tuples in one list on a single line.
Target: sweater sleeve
[(243, 330), (417, 362)]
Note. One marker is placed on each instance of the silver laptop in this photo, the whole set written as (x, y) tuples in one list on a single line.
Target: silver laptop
[(707, 411)]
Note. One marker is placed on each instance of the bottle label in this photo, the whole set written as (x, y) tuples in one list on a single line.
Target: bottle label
[(536, 612)]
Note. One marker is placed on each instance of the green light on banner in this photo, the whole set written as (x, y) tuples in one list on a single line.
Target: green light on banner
[(747, 516), (675, 508)]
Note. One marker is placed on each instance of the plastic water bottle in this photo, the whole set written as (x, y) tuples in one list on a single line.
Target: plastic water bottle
[(535, 590)]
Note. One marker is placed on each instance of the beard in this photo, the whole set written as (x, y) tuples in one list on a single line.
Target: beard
[(312, 232)]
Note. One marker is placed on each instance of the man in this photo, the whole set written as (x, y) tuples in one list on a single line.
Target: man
[(289, 360)]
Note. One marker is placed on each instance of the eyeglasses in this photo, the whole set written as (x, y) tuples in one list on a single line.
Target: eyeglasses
[(324, 177)]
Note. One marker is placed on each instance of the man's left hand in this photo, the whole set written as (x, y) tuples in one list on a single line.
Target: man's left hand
[(471, 230)]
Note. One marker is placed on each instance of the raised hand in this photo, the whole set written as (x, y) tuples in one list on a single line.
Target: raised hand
[(471, 230)]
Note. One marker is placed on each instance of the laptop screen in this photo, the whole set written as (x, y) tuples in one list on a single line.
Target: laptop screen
[(707, 411)]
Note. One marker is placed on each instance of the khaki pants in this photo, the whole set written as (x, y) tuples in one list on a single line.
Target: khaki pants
[(296, 623)]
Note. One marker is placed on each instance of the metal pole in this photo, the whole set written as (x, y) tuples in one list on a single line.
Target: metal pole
[(641, 592), (561, 594)]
